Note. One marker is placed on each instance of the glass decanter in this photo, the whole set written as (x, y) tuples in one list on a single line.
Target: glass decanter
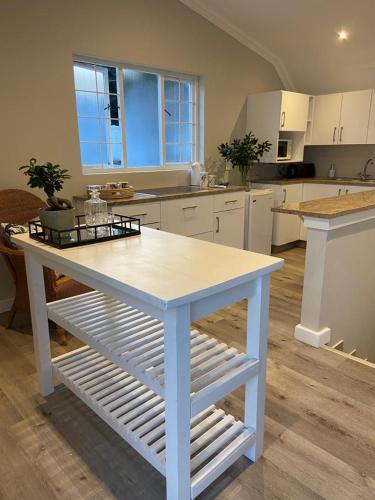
[(96, 211)]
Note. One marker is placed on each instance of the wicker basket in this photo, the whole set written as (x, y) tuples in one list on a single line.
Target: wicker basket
[(116, 193)]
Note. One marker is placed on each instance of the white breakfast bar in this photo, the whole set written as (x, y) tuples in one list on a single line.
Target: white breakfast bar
[(143, 370)]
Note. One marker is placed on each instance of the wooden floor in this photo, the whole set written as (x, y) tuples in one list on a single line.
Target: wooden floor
[(320, 422)]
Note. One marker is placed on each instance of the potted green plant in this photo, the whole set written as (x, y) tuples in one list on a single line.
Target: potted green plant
[(59, 214), (243, 153)]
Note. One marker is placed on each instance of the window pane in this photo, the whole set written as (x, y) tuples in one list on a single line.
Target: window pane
[(186, 91), (141, 95), (115, 131), (86, 104), (186, 153), (117, 155), (172, 111), (186, 112), (103, 105), (84, 77), (105, 155), (171, 90), (186, 133), (88, 129), (98, 115), (172, 153), (171, 132), (90, 154)]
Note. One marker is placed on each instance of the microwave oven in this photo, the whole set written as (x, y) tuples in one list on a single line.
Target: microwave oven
[(284, 150)]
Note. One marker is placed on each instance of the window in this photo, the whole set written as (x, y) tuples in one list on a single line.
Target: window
[(133, 119), (97, 102)]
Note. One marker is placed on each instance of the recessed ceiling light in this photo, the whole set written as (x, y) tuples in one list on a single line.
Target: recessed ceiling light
[(342, 35)]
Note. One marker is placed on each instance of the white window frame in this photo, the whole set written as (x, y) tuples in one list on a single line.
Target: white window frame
[(197, 154)]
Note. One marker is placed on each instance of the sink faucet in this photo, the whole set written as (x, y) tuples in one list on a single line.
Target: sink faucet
[(363, 175)]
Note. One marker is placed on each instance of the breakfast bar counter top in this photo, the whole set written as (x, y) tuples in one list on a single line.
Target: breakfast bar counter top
[(328, 208)]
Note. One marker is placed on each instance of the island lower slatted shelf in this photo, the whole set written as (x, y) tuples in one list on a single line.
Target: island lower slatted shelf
[(134, 342), (137, 414)]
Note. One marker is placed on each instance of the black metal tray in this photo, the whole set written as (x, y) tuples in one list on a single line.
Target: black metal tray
[(82, 234)]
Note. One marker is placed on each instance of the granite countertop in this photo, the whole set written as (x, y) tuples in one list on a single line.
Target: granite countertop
[(329, 208), (315, 180), (145, 196)]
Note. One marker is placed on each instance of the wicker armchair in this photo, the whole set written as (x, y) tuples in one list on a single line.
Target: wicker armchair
[(17, 207)]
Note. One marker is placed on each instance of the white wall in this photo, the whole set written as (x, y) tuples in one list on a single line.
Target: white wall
[(348, 301), (38, 40)]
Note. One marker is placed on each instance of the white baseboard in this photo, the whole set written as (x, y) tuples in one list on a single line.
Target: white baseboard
[(6, 304), (312, 337)]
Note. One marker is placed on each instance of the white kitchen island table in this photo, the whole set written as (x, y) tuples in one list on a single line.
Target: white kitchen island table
[(143, 370)]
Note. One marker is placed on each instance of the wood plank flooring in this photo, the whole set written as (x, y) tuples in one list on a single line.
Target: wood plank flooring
[(320, 422)]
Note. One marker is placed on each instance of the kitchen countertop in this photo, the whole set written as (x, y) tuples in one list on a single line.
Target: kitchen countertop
[(160, 195), (315, 180), (329, 208)]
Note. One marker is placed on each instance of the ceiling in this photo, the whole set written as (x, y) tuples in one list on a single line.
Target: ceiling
[(299, 37)]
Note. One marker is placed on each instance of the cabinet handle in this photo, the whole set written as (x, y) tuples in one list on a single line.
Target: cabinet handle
[(231, 201), (346, 191), (188, 208), (341, 129), (139, 215), (282, 119), (284, 195), (334, 135), (340, 191), (217, 224)]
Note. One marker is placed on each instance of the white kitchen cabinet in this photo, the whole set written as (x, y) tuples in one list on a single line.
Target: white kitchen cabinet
[(279, 114), (341, 118), (187, 216), (316, 191), (148, 213), (229, 227), (354, 120), (154, 225), (356, 189), (286, 228), (294, 111), (371, 124), (204, 236), (327, 109)]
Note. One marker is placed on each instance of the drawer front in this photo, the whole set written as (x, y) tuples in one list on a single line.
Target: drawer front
[(146, 212), (188, 216), (229, 201)]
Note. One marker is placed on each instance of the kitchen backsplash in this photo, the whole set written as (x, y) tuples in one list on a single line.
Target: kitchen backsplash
[(348, 160)]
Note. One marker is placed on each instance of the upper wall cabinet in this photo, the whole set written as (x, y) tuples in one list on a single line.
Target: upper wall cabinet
[(294, 111), (326, 119), (275, 115), (371, 124), (341, 118)]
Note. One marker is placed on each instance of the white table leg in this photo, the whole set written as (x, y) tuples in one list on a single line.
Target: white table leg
[(177, 401), (39, 318), (256, 347)]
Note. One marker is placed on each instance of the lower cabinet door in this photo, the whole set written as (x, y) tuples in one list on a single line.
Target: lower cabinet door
[(204, 236), (154, 225), (229, 228)]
